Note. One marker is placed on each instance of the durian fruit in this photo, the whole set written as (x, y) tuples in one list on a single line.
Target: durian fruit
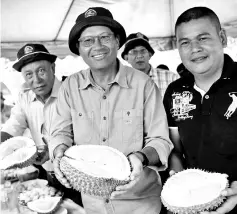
[(45, 205), (17, 152), (192, 191), (95, 169)]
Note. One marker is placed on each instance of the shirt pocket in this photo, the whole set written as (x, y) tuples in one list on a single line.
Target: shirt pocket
[(129, 124), (83, 126)]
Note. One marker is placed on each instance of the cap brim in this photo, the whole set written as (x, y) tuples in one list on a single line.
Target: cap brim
[(32, 58), (137, 42), (77, 29)]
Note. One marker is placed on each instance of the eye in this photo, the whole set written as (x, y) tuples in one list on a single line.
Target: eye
[(88, 41), (184, 43), (41, 71), (28, 75), (203, 39), (105, 38)]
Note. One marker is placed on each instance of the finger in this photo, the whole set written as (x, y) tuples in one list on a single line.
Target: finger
[(117, 193), (137, 167), (227, 206), (171, 172), (59, 175), (126, 186), (230, 191)]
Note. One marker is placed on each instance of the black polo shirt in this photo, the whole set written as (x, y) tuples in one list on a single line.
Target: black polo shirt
[(208, 125)]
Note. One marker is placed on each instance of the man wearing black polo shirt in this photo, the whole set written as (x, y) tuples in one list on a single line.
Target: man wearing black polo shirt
[(202, 106)]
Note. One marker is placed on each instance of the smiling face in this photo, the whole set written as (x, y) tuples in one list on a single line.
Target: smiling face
[(102, 53), (200, 46), (139, 58), (39, 76)]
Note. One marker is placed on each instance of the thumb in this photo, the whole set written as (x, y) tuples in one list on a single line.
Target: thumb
[(137, 167), (171, 172), (59, 150)]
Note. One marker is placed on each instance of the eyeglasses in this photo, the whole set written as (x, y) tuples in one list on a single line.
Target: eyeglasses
[(136, 52), (88, 41)]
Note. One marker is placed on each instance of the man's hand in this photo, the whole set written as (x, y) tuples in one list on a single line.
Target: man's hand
[(58, 154), (135, 177), (43, 154), (230, 203), (72, 207)]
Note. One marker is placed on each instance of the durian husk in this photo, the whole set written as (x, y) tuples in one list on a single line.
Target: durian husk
[(12, 148), (87, 184), (194, 209)]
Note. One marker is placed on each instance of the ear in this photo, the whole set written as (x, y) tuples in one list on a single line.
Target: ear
[(223, 37), (77, 46), (53, 67), (117, 41), (150, 55)]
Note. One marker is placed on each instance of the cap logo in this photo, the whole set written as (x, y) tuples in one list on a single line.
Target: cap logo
[(28, 49), (90, 12), (139, 35)]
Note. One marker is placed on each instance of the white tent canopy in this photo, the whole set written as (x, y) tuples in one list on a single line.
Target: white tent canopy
[(49, 21)]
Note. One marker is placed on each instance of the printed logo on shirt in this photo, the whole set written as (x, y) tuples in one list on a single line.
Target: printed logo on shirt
[(233, 106), (181, 105)]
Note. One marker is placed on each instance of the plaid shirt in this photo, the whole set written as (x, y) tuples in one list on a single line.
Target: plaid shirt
[(162, 78)]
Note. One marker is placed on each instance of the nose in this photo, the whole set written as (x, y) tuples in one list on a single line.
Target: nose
[(195, 46), (37, 78), (97, 42), (140, 55)]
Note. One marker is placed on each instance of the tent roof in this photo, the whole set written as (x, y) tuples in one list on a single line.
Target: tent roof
[(49, 21)]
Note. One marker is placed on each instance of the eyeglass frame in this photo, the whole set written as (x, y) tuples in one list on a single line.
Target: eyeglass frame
[(82, 40), (142, 52)]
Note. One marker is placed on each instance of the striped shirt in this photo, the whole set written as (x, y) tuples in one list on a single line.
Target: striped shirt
[(162, 78)]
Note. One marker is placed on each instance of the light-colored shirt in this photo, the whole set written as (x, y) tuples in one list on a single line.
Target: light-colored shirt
[(128, 115), (31, 113), (162, 78)]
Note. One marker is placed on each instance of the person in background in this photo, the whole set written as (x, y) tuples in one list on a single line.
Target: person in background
[(36, 106), (201, 107), (138, 52), (114, 105), (5, 110)]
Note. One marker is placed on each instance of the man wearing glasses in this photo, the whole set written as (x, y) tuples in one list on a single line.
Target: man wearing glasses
[(138, 52), (114, 105)]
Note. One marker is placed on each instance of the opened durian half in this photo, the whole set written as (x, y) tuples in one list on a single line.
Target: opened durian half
[(95, 169), (17, 152), (45, 205), (193, 191)]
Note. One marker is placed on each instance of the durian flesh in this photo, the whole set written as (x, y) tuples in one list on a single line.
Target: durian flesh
[(45, 205), (193, 191)]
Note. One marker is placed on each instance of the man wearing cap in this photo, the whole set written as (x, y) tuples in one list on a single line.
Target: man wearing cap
[(34, 107), (114, 105), (138, 52)]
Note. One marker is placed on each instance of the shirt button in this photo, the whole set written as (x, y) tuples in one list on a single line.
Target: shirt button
[(80, 114), (104, 118), (104, 139), (207, 97), (107, 200), (104, 97)]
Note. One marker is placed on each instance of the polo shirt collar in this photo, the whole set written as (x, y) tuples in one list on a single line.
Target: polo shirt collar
[(229, 69), (120, 78)]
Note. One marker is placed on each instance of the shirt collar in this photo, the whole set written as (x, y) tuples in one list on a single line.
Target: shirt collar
[(54, 92), (229, 69), (120, 78)]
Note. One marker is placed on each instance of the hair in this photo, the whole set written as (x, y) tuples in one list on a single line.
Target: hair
[(162, 66), (197, 13)]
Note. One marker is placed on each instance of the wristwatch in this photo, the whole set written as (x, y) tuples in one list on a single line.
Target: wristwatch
[(145, 161)]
